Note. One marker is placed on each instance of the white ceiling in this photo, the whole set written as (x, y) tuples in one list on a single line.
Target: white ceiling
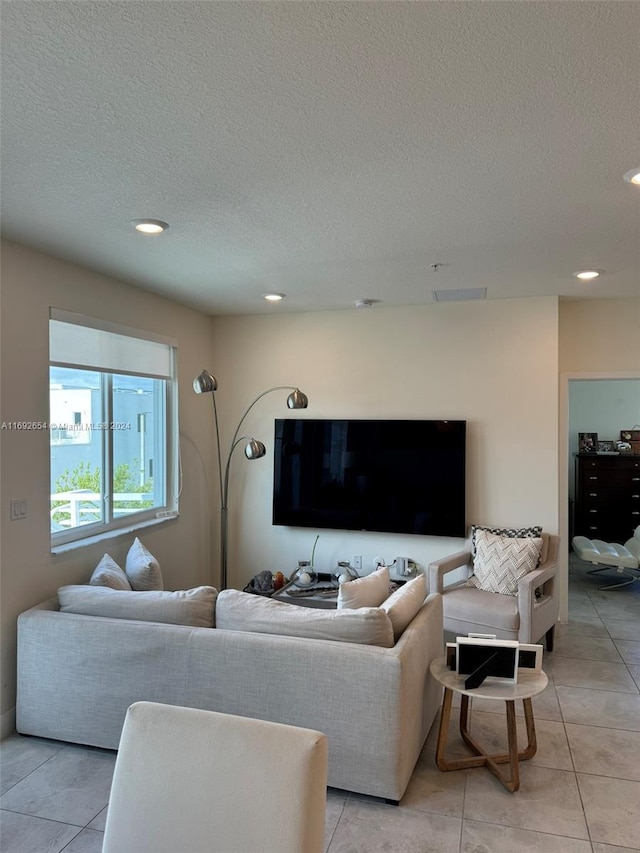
[(330, 150)]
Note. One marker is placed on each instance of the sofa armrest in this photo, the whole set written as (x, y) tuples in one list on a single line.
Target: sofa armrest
[(50, 604), (542, 578), (542, 609), (439, 568)]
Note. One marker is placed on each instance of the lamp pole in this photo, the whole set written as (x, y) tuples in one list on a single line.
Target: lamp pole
[(206, 383)]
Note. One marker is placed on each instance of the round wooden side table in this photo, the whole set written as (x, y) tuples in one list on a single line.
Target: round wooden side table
[(529, 684)]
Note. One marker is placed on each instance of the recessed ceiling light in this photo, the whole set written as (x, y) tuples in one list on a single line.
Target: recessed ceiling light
[(149, 226), (587, 275), (633, 176), (274, 297)]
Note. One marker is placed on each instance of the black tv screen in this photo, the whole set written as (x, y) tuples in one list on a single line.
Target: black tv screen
[(392, 476)]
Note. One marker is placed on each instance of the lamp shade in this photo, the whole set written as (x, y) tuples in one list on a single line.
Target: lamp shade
[(205, 383), (254, 449), (297, 399)]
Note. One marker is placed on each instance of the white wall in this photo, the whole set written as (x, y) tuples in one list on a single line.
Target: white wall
[(494, 364), (598, 336), (603, 406), (31, 282)]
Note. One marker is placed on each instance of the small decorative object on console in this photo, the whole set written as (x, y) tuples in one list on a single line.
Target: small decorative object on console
[(344, 573), (262, 584), (304, 575)]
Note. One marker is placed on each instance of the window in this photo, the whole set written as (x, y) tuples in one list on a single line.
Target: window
[(113, 426)]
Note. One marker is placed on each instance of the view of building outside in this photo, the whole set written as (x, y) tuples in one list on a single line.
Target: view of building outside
[(93, 455)]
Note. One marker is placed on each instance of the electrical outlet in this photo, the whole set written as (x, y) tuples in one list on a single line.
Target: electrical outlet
[(167, 513), (356, 562)]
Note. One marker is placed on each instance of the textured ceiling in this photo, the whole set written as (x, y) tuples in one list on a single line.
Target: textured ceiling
[(330, 150)]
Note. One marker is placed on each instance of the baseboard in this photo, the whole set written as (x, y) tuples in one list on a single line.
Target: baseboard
[(7, 723)]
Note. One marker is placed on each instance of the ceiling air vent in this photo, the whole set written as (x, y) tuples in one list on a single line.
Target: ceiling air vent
[(460, 294)]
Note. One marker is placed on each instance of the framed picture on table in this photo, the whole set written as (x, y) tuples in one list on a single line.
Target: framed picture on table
[(479, 658)]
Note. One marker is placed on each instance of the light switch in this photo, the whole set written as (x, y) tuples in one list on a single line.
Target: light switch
[(18, 509)]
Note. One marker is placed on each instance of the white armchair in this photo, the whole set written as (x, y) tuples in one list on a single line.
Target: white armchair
[(527, 616)]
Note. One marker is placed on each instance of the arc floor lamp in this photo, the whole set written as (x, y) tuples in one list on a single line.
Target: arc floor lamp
[(206, 383)]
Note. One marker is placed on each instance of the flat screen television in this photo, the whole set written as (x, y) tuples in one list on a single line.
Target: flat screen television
[(392, 476)]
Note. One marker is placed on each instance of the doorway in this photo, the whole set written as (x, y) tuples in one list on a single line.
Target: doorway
[(602, 403)]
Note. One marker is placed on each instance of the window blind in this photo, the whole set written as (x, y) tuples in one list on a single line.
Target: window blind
[(79, 341)]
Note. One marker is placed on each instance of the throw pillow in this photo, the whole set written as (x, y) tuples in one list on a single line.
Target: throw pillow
[(193, 607), (242, 611), (513, 532), (501, 561), (108, 573), (369, 591), (142, 568), (404, 603)]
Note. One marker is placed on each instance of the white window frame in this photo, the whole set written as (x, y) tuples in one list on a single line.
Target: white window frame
[(86, 343)]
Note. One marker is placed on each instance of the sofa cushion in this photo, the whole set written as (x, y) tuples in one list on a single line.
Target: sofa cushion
[(108, 573), (369, 591), (194, 607), (142, 568), (242, 611), (501, 561), (404, 603)]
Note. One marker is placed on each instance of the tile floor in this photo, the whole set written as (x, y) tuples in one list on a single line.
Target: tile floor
[(579, 794)]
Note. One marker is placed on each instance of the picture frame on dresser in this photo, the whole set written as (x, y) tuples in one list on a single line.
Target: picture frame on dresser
[(631, 437), (606, 446), (587, 442)]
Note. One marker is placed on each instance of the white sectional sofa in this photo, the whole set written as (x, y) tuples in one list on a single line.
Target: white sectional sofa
[(78, 674)]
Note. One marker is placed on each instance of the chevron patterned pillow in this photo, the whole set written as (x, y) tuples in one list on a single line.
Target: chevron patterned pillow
[(501, 561), (514, 532)]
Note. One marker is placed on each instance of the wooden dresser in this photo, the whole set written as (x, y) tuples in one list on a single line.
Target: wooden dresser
[(607, 497)]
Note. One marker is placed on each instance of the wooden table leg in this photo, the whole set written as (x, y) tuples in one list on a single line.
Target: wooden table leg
[(512, 757), (512, 736), (459, 763), (532, 744), (445, 715)]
